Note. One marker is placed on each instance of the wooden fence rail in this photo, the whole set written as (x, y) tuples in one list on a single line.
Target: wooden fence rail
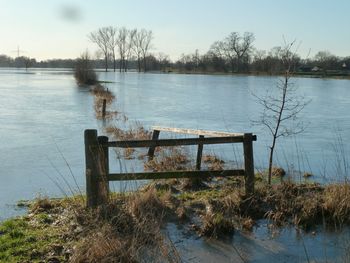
[(97, 160)]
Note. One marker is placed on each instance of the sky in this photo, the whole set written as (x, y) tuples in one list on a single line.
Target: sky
[(46, 29)]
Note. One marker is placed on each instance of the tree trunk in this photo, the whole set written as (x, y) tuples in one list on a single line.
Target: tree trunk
[(275, 134), (144, 64), (114, 62), (232, 66), (139, 63), (272, 149), (106, 63)]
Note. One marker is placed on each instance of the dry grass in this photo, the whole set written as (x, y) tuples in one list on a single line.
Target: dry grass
[(289, 201), (278, 171), (216, 225), (307, 175), (309, 204), (173, 159), (101, 94), (41, 204), (127, 230), (302, 205), (134, 132), (336, 203), (213, 163), (129, 227), (211, 159), (128, 153)]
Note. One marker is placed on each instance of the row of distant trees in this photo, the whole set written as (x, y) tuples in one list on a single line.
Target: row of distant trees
[(27, 62), (236, 53), (124, 49), (128, 44)]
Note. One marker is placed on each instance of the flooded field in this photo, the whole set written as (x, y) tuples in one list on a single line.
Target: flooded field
[(44, 114)]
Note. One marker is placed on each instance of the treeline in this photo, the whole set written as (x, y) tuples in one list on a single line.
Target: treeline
[(26, 62), (130, 49), (236, 54), (154, 62)]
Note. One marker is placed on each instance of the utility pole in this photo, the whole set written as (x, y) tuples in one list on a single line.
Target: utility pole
[(18, 51)]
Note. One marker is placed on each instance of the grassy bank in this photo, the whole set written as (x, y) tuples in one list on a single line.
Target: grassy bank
[(131, 227)]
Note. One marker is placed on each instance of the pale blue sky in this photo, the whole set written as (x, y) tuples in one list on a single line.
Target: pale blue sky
[(44, 30)]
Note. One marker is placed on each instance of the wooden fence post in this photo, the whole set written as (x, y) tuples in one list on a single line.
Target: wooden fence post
[(151, 150), (199, 154), (103, 171), (104, 108), (91, 169), (248, 163)]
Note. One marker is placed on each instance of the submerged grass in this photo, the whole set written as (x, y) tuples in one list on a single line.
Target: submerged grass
[(135, 131), (102, 94)]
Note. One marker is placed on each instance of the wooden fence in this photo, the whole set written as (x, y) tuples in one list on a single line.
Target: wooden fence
[(97, 159)]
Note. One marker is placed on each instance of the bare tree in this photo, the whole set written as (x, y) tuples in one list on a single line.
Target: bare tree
[(219, 49), (142, 45), (112, 43), (27, 63), (281, 106), (163, 61), (326, 60), (196, 59), (83, 72), (122, 47), (101, 38), (240, 46), (234, 48), (137, 42), (129, 46)]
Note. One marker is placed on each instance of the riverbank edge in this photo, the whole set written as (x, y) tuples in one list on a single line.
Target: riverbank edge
[(345, 76), (60, 230)]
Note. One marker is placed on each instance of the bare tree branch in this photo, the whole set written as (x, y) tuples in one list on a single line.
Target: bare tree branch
[(282, 105)]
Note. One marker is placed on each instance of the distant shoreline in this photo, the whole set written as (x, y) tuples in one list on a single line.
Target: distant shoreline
[(263, 74), (318, 75)]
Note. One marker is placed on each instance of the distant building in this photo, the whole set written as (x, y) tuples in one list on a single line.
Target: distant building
[(315, 69)]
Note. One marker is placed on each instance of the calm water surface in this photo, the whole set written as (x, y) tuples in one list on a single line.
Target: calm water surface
[(44, 114)]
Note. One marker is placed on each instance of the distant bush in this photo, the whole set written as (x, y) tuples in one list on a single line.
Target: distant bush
[(83, 73)]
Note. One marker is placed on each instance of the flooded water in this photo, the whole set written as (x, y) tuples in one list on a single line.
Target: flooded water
[(264, 245), (44, 114)]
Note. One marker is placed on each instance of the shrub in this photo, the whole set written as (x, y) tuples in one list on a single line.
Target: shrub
[(83, 73)]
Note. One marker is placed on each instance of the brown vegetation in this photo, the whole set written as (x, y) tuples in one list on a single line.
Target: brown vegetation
[(100, 95), (128, 229), (83, 72), (168, 160), (134, 132), (226, 208)]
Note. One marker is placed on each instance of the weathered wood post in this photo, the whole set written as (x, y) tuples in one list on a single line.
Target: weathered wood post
[(103, 171), (97, 168), (199, 154), (104, 108), (151, 149), (248, 163), (91, 168)]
